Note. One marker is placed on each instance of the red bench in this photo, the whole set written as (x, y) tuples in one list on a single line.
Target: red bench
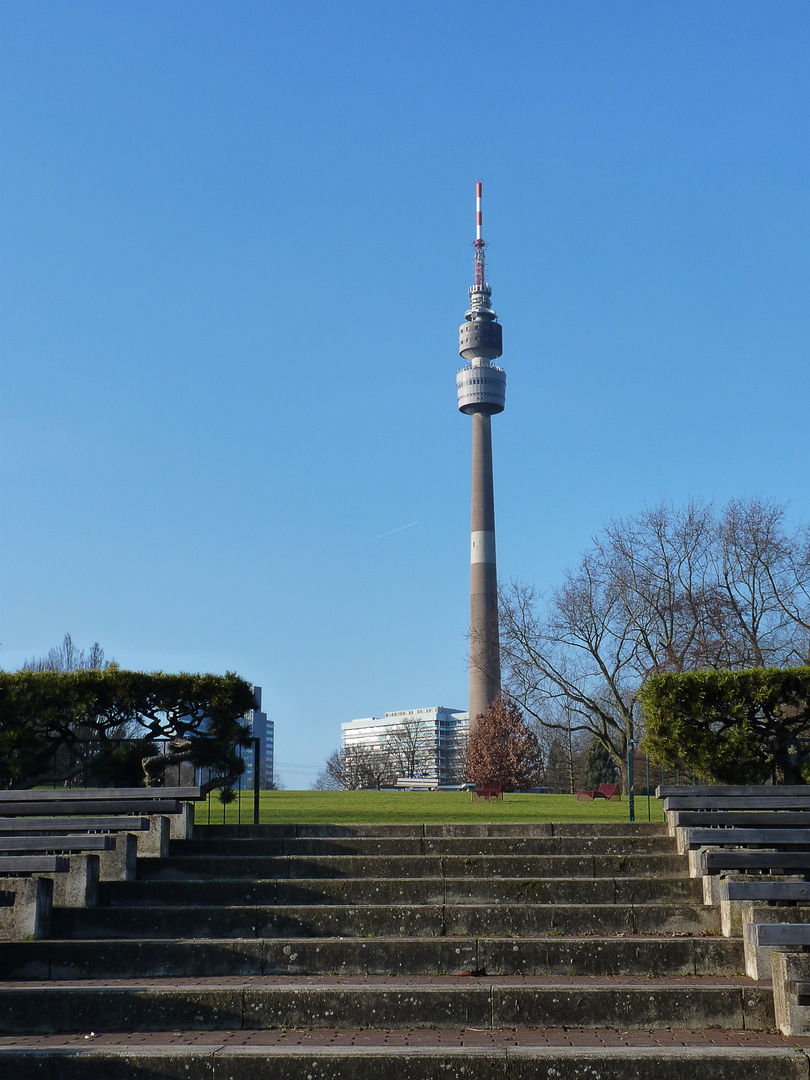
[(486, 792), (604, 791)]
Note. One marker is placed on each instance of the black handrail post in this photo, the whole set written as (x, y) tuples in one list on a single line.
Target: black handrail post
[(630, 786), (256, 778)]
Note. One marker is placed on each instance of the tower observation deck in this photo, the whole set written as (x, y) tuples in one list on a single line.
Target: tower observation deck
[(481, 393)]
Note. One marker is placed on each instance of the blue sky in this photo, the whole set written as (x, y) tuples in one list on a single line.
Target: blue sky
[(236, 248)]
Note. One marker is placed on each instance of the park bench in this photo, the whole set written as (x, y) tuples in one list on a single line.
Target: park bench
[(704, 819), (713, 862), (767, 931), (75, 878), (151, 834), (118, 795), (690, 838), (101, 846), (486, 792), (72, 801), (117, 853), (759, 831), (25, 826), (722, 799), (791, 987), (744, 891), (25, 907), (706, 796), (172, 802), (33, 864), (604, 791), (52, 844), (757, 819)]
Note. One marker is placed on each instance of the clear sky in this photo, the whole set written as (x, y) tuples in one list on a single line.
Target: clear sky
[(236, 251)]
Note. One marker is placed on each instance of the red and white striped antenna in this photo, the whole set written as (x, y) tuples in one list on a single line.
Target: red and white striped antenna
[(479, 238)]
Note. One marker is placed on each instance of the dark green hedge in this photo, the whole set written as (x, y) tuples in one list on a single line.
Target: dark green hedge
[(731, 726), (43, 714)]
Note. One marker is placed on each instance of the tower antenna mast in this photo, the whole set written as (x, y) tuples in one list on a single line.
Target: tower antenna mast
[(479, 238)]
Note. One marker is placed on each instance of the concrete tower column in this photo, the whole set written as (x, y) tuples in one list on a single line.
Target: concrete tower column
[(481, 392), (485, 659)]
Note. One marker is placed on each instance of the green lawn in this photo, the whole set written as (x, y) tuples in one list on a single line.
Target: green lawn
[(377, 807)]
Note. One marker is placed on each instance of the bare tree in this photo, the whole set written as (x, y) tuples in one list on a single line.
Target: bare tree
[(764, 578), (354, 767), (330, 776), (669, 590), (67, 657), (411, 748), (563, 747), (572, 664)]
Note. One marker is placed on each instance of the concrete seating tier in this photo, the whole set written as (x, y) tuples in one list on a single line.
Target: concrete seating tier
[(750, 846), (502, 951), (99, 847)]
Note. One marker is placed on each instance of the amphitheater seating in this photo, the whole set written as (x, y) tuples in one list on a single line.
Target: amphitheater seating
[(750, 846), (79, 847)]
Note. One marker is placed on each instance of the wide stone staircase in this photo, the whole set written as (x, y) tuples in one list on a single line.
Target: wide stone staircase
[(415, 951)]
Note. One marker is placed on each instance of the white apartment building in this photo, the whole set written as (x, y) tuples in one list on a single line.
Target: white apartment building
[(421, 743)]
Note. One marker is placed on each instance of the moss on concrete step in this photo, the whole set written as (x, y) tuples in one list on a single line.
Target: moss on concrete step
[(220, 1061)]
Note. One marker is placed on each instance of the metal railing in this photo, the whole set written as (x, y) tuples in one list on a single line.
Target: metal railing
[(111, 763)]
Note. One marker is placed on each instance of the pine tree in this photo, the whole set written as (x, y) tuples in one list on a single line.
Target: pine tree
[(600, 768), (503, 750)]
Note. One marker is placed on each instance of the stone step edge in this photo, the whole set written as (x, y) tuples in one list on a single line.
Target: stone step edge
[(75, 1009), (461, 939), (400, 983), (394, 906), (86, 958), (430, 829), (302, 1041), (506, 1062), (461, 879)]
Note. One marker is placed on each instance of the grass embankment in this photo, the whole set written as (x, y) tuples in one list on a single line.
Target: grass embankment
[(415, 807)]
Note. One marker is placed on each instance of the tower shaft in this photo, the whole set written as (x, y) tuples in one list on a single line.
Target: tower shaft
[(485, 660), (481, 391)]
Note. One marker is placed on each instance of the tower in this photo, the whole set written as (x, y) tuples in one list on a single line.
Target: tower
[(481, 389)]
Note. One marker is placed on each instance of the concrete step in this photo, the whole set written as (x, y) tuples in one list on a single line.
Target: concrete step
[(413, 866), (469, 829), (384, 920), (347, 1054), (603, 928), (214, 957), (241, 891), (452, 845), (428, 1002)]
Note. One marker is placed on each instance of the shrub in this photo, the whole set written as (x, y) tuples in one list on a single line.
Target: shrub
[(731, 726), (46, 715)]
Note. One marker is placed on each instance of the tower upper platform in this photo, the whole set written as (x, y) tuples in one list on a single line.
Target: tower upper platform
[(480, 386)]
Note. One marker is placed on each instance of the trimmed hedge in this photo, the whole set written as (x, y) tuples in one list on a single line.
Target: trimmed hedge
[(46, 713), (740, 727)]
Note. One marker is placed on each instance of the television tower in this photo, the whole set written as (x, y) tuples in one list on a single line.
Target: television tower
[(481, 389)]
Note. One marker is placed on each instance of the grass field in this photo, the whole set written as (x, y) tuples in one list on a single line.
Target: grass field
[(416, 807)]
